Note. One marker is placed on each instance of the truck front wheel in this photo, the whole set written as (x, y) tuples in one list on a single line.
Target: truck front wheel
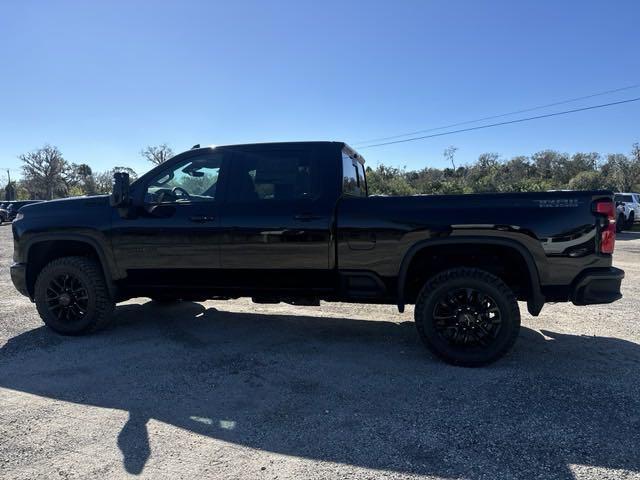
[(467, 316), (72, 297)]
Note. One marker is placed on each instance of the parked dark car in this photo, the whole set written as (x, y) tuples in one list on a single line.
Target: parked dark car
[(4, 215), (293, 222), (3, 212), (14, 207)]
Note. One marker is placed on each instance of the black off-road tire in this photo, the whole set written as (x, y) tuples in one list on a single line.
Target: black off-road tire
[(100, 305), (481, 281)]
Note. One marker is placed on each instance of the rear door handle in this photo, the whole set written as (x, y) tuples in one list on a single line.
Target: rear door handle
[(201, 218)]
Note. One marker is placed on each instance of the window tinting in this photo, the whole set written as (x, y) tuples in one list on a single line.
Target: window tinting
[(273, 175), (623, 198)]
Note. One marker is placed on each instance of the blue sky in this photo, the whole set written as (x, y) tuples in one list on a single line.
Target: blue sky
[(103, 79)]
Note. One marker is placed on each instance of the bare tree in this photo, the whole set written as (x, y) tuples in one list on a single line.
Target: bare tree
[(157, 154), (450, 154), (45, 172)]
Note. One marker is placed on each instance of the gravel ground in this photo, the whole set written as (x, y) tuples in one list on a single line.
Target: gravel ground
[(237, 390)]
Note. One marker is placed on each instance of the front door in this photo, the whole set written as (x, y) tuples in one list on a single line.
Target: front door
[(173, 237)]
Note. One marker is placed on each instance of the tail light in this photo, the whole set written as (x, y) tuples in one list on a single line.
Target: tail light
[(607, 209)]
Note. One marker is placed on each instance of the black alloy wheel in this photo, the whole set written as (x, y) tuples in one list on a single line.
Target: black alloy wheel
[(72, 297), (67, 298), (467, 316)]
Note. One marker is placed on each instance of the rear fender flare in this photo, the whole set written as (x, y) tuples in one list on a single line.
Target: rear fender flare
[(534, 304)]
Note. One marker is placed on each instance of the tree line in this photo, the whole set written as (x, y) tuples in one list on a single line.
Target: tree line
[(542, 171), (46, 174)]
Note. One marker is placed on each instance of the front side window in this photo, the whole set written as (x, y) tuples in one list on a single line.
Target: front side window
[(193, 180), (273, 175)]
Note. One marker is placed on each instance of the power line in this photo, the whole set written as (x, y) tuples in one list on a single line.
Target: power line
[(519, 120), (492, 117)]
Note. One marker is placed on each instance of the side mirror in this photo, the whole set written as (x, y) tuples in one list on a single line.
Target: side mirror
[(120, 194)]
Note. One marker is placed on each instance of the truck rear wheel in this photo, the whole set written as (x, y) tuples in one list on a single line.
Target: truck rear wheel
[(72, 297), (467, 316)]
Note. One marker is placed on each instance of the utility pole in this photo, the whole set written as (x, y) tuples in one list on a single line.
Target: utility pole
[(9, 193)]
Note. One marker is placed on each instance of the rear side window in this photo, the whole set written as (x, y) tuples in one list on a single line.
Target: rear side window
[(623, 198), (274, 175), (353, 180)]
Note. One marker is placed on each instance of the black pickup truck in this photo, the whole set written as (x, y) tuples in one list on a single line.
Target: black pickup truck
[(293, 222)]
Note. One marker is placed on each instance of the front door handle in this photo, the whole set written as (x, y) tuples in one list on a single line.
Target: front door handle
[(201, 218)]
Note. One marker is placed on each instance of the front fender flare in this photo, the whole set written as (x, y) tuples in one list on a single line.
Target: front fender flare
[(107, 262)]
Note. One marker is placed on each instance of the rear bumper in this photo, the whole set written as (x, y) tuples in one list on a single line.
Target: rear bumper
[(597, 285), (19, 277)]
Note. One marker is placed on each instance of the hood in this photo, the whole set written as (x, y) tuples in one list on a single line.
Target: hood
[(65, 205)]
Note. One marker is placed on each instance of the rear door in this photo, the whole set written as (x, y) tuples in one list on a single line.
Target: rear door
[(277, 220)]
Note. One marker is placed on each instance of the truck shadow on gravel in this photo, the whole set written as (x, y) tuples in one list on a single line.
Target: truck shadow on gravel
[(356, 392)]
